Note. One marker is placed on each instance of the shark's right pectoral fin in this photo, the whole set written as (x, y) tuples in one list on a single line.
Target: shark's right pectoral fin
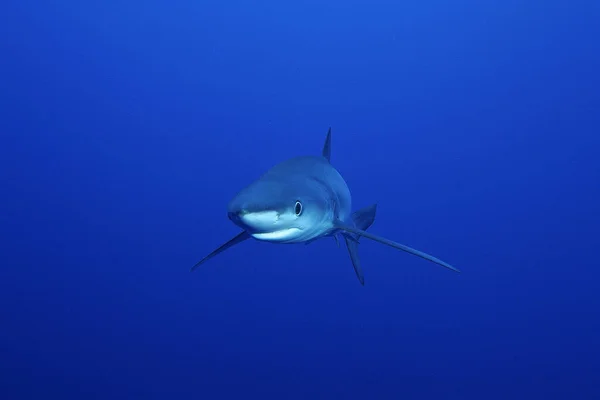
[(235, 240)]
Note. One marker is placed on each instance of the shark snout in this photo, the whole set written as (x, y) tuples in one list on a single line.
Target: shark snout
[(235, 209), (233, 216), (239, 216), (257, 208), (239, 205), (236, 216), (254, 220)]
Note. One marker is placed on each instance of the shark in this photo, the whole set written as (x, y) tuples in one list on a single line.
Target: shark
[(303, 199)]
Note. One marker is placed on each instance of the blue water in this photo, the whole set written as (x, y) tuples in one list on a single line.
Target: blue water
[(126, 127)]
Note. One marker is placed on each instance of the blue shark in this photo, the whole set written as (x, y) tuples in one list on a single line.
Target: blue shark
[(301, 200)]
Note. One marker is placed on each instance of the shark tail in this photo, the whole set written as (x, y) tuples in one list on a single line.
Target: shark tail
[(362, 220)]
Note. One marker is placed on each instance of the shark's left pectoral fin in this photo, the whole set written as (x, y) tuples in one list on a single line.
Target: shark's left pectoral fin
[(240, 237), (360, 232)]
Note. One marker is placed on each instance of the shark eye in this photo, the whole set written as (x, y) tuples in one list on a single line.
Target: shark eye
[(298, 208)]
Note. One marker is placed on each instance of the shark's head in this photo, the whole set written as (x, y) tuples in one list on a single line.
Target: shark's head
[(289, 210)]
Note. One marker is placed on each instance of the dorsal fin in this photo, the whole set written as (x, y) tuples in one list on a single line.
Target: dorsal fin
[(327, 146)]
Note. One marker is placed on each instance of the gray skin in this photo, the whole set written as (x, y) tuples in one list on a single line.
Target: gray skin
[(301, 200), (267, 208)]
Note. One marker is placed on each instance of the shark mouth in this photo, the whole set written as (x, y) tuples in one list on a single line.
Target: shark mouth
[(276, 236), (262, 225)]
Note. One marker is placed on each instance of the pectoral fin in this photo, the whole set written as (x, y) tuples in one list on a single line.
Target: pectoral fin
[(240, 237), (353, 251), (395, 245)]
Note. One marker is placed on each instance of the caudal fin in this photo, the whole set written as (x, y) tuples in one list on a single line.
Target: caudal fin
[(362, 219)]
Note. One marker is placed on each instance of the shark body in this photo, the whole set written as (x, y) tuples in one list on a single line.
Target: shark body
[(301, 200)]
